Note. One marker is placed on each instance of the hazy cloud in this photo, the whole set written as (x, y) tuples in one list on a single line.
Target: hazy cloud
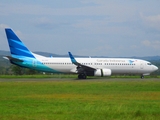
[(3, 26), (153, 44), (152, 21)]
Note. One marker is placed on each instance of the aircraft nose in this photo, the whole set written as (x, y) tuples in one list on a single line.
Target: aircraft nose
[(155, 68)]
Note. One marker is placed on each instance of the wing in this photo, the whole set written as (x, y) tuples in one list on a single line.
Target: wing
[(80, 68)]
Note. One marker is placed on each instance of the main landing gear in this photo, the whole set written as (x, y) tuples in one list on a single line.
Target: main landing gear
[(82, 76)]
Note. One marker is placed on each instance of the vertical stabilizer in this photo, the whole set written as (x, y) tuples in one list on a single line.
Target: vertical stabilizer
[(16, 45)]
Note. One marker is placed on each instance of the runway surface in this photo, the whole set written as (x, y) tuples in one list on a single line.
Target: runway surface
[(73, 79)]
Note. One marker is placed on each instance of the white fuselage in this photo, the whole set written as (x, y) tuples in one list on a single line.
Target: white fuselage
[(116, 65)]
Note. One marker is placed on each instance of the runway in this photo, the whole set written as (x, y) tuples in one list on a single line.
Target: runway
[(73, 79)]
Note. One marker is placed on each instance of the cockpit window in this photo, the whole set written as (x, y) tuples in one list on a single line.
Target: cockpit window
[(149, 64)]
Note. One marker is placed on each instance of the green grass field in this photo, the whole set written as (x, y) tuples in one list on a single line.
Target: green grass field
[(92, 99)]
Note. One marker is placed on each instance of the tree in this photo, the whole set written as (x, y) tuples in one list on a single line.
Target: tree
[(30, 71), (17, 70)]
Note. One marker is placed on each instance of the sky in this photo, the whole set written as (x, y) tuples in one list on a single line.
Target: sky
[(113, 28)]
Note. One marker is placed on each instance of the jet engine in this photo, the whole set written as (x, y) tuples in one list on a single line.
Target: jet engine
[(102, 72)]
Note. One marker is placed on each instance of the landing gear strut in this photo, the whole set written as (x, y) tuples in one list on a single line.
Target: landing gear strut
[(82, 76)]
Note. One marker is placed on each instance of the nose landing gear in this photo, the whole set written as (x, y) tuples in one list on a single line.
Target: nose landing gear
[(142, 76)]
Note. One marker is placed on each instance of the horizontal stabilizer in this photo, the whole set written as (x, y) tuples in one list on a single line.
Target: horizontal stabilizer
[(12, 59)]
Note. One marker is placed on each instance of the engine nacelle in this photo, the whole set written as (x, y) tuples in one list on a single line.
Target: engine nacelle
[(102, 72)]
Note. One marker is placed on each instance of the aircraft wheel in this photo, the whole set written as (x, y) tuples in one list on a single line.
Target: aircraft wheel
[(142, 76), (82, 76), (79, 76)]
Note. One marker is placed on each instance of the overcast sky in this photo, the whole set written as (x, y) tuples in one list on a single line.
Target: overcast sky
[(113, 28)]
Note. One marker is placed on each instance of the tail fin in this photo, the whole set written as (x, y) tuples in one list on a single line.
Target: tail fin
[(16, 45)]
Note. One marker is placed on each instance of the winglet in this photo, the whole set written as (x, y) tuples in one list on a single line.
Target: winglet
[(72, 58)]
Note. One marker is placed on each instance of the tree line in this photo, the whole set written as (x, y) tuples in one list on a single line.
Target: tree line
[(16, 70)]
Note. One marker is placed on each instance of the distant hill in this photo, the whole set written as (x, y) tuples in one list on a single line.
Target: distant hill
[(50, 54), (5, 53), (149, 58)]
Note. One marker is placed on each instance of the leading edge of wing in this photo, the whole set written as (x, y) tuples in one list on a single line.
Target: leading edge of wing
[(73, 60)]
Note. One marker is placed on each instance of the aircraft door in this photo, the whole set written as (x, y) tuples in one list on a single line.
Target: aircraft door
[(141, 65), (34, 63)]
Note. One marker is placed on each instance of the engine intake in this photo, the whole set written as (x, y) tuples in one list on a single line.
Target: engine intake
[(102, 72)]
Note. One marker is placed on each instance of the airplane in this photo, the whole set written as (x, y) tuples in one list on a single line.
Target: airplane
[(23, 57)]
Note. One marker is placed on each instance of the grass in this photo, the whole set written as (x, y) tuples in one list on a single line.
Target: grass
[(114, 99)]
